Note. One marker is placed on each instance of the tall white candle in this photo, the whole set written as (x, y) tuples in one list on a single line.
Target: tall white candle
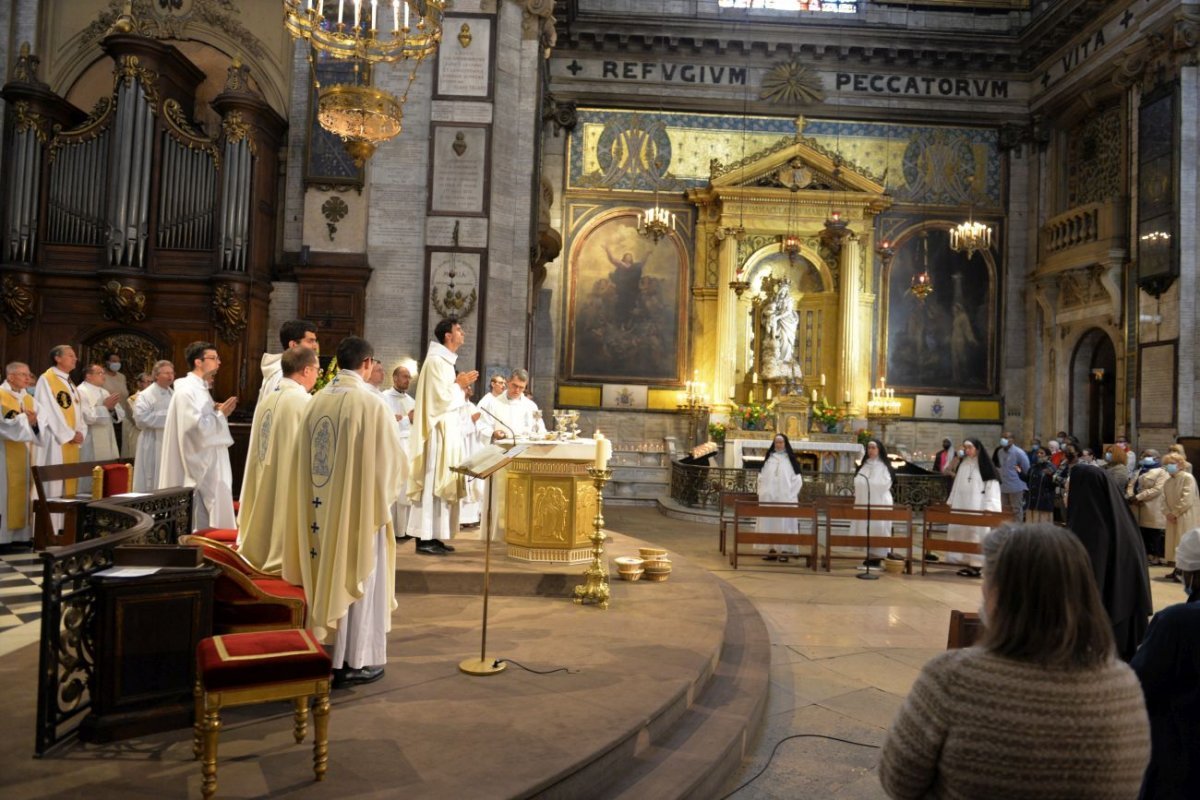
[(602, 451), (374, 3), (341, 8), (395, 15)]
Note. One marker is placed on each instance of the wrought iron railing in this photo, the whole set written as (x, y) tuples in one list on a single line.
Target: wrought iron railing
[(66, 657), (701, 487)]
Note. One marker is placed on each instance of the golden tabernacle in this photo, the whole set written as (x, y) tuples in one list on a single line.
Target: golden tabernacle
[(549, 502)]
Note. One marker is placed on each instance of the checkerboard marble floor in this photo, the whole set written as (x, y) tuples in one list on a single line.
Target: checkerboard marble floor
[(20, 598)]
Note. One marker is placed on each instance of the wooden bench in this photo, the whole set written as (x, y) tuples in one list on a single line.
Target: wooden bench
[(844, 512), (746, 510), (938, 518), (725, 517)]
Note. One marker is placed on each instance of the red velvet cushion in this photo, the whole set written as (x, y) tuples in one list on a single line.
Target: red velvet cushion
[(223, 535), (235, 660), (280, 588), (228, 559), (228, 616), (116, 479)]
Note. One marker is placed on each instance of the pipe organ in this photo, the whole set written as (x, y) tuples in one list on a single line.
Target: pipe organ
[(131, 224)]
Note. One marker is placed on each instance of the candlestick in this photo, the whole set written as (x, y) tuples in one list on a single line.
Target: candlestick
[(594, 589), (846, 397)]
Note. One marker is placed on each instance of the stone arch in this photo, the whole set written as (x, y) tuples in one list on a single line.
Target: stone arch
[(1091, 376)]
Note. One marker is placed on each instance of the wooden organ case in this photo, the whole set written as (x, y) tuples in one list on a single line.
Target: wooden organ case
[(129, 228)]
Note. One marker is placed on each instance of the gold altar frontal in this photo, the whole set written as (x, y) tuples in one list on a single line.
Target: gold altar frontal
[(550, 503)]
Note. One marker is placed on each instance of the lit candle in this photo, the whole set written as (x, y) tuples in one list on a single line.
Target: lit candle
[(395, 15), (822, 378), (405, 14), (321, 9), (374, 3), (814, 395), (341, 8), (846, 398), (357, 12), (754, 377), (768, 392), (603, 448)]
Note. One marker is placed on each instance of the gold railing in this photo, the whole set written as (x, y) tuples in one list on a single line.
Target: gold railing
[(1081, 236)]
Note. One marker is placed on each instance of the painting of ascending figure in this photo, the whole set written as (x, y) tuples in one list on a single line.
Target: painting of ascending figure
[(945, 342), (625, 304)]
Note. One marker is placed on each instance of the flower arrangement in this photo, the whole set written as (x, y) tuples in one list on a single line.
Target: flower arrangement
[(863, 435), (825, 414), (326, 375), (753, 416), (716, 432)]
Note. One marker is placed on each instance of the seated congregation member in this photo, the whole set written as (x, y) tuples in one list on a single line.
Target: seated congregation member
[(873, 485), (1039, 500), (1102, 521), (1041, 708), (779, 482), (976, 488), (1168, 665), (268, 511), (1183, 509)]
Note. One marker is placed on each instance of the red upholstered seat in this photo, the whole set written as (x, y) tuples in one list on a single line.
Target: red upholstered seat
[(226, 536), (245, 599), (116, 479), (249, 659)]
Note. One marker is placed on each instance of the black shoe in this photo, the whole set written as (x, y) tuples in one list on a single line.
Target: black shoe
[(445, 548), (895, 556), (404, 537), (353, 677), (469, 526), (971, 572), (931, 557), (425, 548)]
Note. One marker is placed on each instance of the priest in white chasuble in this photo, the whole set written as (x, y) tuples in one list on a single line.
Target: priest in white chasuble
[(435, 444), (18, 429), (150, 407), (62, 427), (268, 511), (196, 440), (347, 476)]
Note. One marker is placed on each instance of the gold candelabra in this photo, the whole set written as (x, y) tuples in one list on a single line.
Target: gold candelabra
[(883, 408), (361, 30), (594, 589), (655, 222)]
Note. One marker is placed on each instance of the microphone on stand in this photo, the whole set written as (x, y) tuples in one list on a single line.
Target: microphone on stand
[(511, 432), (867, 576)]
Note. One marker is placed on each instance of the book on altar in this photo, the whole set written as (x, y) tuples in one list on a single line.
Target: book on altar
[(486, 460)]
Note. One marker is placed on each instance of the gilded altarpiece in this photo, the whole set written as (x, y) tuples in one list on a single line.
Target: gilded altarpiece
[(741, 175)]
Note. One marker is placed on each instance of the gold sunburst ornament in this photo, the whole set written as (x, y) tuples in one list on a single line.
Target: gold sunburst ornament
[(791, 83)]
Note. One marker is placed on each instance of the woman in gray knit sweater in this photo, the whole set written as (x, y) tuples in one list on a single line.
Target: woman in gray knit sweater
[(1042, 708)]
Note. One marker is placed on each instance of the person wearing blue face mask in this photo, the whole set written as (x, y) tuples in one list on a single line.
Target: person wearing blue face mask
[(1168, 665), (1116, 464), (1145, 495), (1183, 510), (1013, 466)]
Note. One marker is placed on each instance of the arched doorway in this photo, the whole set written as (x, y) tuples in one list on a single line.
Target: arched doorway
[(1093, 378)]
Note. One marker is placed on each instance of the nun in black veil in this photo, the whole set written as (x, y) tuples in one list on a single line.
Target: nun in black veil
[(1098, 515), (779, 482)]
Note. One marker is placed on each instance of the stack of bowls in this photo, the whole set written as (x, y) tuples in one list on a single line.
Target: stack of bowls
[(629, 568), (649, 553), (657, 568)]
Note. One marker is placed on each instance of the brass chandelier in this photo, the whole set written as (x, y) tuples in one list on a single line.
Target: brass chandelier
[(356, 33), (361, 115), (970, 236)]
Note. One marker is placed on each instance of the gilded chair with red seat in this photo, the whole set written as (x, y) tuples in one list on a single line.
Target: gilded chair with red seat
[(246, 599)]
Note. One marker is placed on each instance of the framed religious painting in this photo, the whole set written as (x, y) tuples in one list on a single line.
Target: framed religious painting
[(945, 341), (627, 300)]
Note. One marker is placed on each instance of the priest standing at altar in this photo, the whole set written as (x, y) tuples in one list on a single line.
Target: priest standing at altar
[(519, 413), (196, 441), (344, 554), (435, 444)]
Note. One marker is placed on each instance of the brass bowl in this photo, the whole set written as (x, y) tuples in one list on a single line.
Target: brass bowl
[(658, 577), (893, 565), (631, 576), (651, 552)]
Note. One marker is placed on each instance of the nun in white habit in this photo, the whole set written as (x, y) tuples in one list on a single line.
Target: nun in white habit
[(779, 482), (873, 486)]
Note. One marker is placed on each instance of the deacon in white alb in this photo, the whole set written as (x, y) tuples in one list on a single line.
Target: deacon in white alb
[(291, 333), (150, 407), (402, 405), (100, 408), (436, 442), (196, 440), (62, 427), (18, 429), (469, 421), (516, 411)]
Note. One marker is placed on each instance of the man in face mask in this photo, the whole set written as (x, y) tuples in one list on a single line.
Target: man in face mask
[(115, 383), (1013, 466), (1145, 495), (1167, 664)]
